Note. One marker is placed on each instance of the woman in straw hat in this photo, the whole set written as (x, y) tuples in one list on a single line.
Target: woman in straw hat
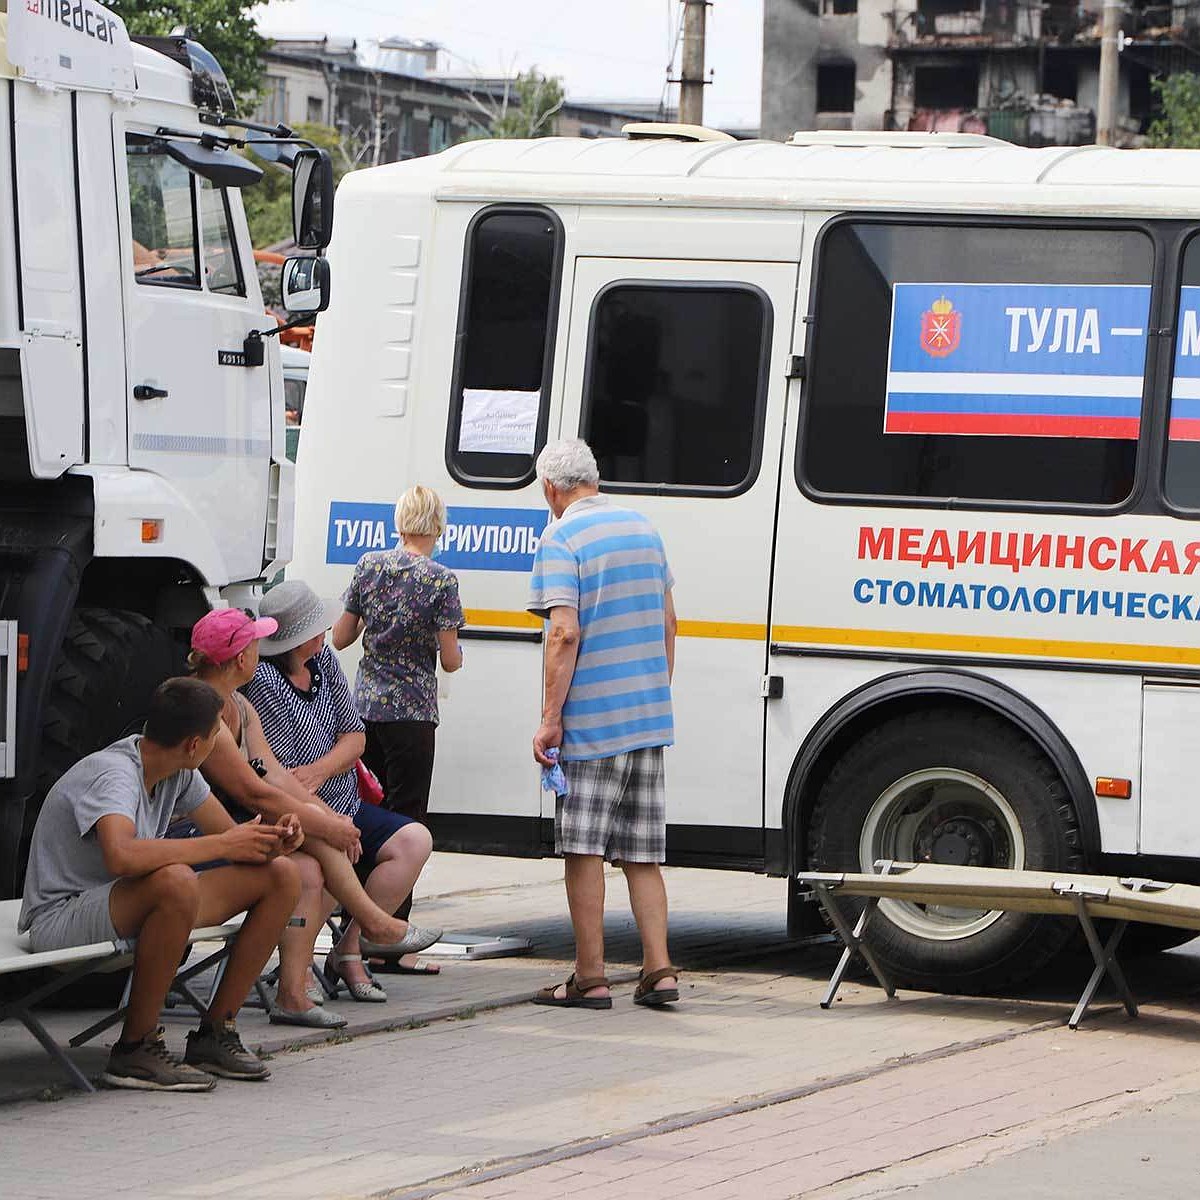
[(311, 725), (225, 653)]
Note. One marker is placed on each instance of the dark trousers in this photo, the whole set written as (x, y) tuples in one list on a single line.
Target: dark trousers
[(401, 754)]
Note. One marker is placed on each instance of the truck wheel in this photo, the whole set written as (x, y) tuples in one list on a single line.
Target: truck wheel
[(949, 786), (111, 662)]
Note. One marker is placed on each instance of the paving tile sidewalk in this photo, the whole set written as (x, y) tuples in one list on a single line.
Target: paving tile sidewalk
[(392, 1111), (804, 1146), (463, 894), (405, 1113)]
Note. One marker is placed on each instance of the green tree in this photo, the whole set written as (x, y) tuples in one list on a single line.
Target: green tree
[(225, 28), (1178, 123), (269, 202), (525, 109)]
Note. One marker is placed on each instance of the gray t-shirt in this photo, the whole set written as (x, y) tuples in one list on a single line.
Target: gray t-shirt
[(65, 857)]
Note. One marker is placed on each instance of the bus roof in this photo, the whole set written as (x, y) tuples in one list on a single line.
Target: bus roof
[(905, 171)]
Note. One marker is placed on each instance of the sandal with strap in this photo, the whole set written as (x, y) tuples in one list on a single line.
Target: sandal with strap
[(368, 992), (575, 997), (647, 994)]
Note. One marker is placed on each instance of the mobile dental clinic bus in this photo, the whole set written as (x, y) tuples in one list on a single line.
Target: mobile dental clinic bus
[(918, 417)]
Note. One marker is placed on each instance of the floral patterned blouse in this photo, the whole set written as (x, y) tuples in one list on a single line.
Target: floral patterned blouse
[(404, 601)]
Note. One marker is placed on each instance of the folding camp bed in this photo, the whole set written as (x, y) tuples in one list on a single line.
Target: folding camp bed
[(74, 963), (1087, 898)]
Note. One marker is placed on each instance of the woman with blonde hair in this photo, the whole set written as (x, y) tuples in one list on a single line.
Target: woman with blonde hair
[(405, 605)]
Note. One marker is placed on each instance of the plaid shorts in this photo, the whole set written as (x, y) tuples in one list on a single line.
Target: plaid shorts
[(616, 808)]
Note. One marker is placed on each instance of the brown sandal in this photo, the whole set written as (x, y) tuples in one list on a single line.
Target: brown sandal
[(575, 997), (646, 993)]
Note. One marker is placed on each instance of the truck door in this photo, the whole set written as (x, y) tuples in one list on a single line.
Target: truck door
[(48, 241), (197, 417), (676, 376)]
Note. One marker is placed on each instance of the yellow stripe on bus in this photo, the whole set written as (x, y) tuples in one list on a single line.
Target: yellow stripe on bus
[(1028, 647), (722, 629), (818, 635), (499, 617)]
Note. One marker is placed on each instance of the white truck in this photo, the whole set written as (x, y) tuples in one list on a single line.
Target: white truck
[(143, 475), (918, 418)]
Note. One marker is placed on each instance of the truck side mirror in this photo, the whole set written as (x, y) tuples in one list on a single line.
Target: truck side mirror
[(304, 285), (312, 198)]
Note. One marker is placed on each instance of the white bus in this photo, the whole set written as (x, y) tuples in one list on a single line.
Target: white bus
[(919, 420)]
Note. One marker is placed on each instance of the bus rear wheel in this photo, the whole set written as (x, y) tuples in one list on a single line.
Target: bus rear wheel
[(950, 786)]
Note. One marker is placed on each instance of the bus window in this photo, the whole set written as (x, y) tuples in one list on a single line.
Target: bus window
[(964, 362), (675, 385), (1182, 484), (498, 410)]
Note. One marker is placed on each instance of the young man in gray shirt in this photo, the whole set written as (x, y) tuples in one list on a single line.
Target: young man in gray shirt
[(101, 869)]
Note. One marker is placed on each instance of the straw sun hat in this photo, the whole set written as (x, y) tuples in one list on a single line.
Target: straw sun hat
[(300, 613)]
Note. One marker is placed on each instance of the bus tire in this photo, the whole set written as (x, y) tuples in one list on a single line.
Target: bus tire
[(950, 785)]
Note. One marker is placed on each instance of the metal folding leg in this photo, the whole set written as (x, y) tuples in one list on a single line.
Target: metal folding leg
[(179, 986), (22, 1011), (852, 940), (1105, 957)]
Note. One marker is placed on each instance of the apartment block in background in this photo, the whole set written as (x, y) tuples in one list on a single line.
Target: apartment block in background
[(1027, 72)]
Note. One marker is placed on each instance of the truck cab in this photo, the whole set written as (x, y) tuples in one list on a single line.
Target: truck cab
[(143, 468)]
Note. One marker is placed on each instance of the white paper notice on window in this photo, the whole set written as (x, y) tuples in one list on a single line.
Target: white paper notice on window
[(495, 422)]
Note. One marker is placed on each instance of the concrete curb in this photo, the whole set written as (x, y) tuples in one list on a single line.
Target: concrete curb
[(283, 1043)]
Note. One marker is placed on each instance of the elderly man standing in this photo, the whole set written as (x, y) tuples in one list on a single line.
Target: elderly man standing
[(601, 577)]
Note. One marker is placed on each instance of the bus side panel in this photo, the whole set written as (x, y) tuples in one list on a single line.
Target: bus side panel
[(375, 423)]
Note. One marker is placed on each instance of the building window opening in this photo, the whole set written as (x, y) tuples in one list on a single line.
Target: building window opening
[(1060, 77), (314, 112), (838, 8), (947, 87), (835, 88)]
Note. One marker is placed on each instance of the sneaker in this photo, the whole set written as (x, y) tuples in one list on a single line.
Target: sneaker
[(219, 1051), (150, 1067)]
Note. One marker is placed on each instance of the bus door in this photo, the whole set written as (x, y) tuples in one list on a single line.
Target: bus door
[(676, 376), (505, 382)]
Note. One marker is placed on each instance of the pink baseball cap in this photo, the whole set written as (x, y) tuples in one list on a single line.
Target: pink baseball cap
[(225, 632)]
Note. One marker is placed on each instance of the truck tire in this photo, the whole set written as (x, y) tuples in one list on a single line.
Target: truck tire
[(111, 662), (948, 785)]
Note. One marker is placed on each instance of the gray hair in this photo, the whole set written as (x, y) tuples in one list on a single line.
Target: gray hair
[(568, 464)]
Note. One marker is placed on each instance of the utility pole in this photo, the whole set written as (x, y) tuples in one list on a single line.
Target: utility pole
[(691, 76), (1110, 75)]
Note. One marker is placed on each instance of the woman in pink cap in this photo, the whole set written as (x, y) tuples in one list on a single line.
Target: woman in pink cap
[(225, 653)]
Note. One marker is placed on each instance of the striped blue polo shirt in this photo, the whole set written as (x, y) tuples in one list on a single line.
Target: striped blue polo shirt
[(608, 564)]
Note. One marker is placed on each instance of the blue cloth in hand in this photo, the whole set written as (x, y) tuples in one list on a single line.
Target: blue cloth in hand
[(553, 779)]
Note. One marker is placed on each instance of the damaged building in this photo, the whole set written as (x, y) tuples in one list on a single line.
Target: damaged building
[(1023, 71)]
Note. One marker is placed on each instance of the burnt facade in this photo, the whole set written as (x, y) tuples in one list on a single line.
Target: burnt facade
[(1027, 72)]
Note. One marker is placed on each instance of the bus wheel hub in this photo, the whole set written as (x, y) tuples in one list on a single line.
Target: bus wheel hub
[(958, 843)]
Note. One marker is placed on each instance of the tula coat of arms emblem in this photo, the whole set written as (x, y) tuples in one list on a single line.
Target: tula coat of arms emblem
[(941, 328)]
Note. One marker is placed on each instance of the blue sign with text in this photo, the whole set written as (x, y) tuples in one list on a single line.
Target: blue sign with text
[(475, 539)]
